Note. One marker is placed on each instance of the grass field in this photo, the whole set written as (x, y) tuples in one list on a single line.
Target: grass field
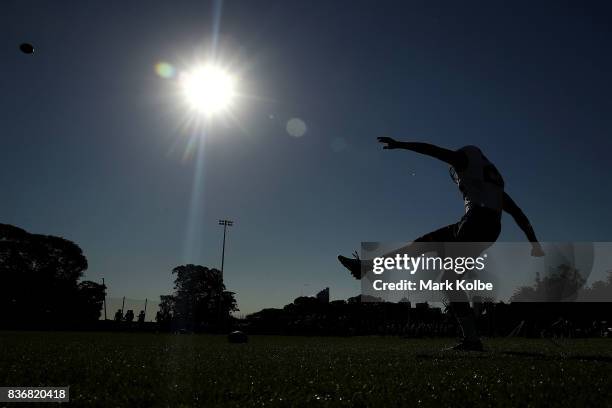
[(119, 369)]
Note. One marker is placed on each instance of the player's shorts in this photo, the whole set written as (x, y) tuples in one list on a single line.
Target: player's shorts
[(479, 224)]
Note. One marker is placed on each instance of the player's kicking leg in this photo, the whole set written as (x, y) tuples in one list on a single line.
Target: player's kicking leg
[(431, 242), (459, 301)]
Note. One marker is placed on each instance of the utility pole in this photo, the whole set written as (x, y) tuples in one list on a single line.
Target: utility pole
[(225, 223), (103, 284)]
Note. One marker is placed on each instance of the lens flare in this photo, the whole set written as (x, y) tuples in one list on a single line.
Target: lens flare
[(296, 127), (165, 70)]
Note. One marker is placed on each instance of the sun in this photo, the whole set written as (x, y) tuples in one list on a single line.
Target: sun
[(208, 89)]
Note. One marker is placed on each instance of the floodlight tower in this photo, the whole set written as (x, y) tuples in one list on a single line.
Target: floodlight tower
[(225, 223)]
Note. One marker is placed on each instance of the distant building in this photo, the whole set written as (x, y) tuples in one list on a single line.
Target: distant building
[(364, 299), (323, 296), (405, 303)]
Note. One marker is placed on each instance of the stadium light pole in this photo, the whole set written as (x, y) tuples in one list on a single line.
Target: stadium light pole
[(225, 223), (103, 284)]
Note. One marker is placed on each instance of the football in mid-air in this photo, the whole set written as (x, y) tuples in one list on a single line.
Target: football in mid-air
[(27, 48)]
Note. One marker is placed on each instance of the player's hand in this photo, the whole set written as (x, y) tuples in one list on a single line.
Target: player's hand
[(537, 251), (390, 143)]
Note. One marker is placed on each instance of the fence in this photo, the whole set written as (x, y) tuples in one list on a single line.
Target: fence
[(113, 304)]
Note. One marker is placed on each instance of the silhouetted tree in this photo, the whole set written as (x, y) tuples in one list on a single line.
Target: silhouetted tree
[(90, 300), (141, 316), (39, 275), (561, 284), (599, 291), (129, 316), (200, 300), (166, 307)]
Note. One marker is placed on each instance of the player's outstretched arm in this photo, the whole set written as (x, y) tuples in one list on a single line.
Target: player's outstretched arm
[(523, 222), (451, 157)]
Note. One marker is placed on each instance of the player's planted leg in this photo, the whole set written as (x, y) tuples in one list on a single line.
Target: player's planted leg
[(467, 324)]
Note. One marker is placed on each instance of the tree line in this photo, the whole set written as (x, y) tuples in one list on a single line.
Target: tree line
[(43, 287)]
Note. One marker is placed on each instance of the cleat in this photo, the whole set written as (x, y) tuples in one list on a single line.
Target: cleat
[(352, 264), (356, 266)]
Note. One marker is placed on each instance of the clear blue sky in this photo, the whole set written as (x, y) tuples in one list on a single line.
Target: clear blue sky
[(92, 147)]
